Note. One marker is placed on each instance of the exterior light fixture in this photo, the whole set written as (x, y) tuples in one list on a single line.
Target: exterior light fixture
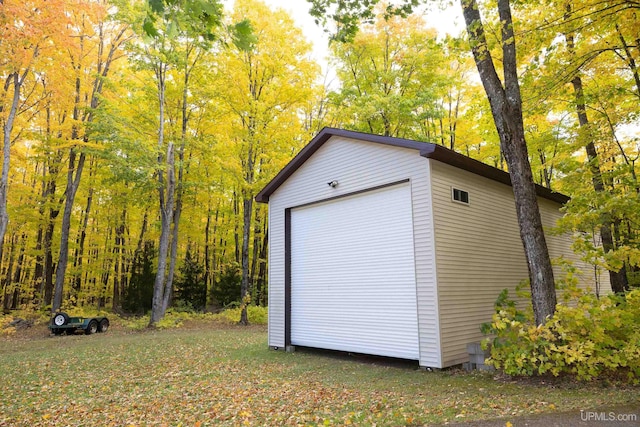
[(333, 184)]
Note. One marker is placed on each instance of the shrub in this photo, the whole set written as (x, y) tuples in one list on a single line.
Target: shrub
[(172, 319), (5, 329), (257, 315), (587, 337), (176, 318)]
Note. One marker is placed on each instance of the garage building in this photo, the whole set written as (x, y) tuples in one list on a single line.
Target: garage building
[(393, 247)]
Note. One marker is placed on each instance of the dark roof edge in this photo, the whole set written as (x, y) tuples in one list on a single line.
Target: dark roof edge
[(445, 155), (428, 150), (317, 142)]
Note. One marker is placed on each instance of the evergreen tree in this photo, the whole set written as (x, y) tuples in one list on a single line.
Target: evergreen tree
[(191, 288), (137, 296)]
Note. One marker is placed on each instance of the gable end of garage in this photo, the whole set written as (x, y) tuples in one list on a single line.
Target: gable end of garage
[(425, 149)]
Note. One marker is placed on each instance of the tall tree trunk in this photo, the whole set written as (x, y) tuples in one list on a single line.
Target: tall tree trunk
[(453, 118), (244, 287), (73, 183), (16, 80), (119, 261), (506, 108), (107, 267), (74, 173), (49, 266), (6, 303), (212, 250), (166, 214), (262, 270), (80, 241), (54, 211), (618, 279), (255, 257), (249, 164), (165, 200), (173, 256), (38, 271), (141, 236), (8, 277), (236, 227), (207, 255), (177, 213), (18, 272), (43, 274)]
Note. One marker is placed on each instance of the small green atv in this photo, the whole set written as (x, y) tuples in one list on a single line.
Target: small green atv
[(61, 322)]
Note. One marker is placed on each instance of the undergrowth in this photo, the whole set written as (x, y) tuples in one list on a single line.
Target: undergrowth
[(589, 337), (177, 318), (174, 318)]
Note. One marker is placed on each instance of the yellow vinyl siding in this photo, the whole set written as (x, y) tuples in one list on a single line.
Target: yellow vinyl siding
[(479, 253)]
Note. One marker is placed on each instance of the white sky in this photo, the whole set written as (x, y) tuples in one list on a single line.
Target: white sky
[(448, 21)]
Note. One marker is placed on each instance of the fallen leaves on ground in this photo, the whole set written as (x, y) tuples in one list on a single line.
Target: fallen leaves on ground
[(222, 376)]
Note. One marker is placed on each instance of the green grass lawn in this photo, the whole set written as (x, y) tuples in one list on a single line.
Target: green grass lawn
[(213, 374)]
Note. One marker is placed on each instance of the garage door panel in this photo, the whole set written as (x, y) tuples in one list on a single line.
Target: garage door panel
[(353, 274)]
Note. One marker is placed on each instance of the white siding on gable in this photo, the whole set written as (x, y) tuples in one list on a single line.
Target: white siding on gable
[(358, 166)]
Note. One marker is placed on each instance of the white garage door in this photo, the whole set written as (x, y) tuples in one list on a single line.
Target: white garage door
[(353, 284)]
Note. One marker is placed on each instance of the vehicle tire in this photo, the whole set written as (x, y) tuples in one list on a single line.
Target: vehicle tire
[(57, 331), (103, 326), (60, 319), (92, 328)]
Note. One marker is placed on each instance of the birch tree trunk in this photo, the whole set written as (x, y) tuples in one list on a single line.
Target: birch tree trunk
[(16, 80), (177, 212), (166, 202)]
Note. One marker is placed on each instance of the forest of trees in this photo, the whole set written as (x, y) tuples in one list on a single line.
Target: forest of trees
[(136, 134)]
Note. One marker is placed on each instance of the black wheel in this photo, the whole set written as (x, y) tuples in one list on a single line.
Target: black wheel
[(60, 319), (57, 331), (103, 326), (92, 328)]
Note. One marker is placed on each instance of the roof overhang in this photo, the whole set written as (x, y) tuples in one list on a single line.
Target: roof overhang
[(425, 149)]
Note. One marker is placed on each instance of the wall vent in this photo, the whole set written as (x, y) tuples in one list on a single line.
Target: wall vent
[(460, 196)]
